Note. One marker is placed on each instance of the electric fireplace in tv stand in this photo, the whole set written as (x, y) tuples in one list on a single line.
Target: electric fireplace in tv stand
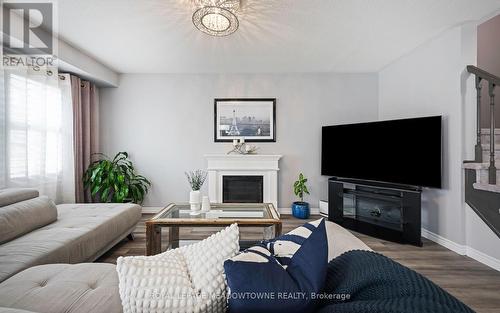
[(381, 210)]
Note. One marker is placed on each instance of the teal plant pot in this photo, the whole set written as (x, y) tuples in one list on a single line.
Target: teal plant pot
[(301, 210)]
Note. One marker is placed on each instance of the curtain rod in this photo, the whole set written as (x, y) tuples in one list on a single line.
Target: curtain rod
[(61, 77)]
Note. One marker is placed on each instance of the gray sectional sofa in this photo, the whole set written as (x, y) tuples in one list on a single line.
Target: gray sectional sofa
[(34, 231), (93, 287), (76, 233)]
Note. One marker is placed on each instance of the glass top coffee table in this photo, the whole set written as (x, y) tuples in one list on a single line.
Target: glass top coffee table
[(174, 216)]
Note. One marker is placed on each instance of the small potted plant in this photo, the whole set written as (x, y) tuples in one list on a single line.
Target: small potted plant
[(300, 209), (196, 180)]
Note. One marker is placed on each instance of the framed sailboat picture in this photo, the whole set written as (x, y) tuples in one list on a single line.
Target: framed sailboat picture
[(252, 119)]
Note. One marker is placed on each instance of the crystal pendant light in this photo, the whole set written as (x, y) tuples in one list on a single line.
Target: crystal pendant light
[(217, 18)]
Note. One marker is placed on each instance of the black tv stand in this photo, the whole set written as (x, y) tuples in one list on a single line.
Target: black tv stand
[(390, 212)]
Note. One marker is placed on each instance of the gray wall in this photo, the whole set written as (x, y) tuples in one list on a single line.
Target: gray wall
[(427, 82), (165, 122), (432, 80), (488, 58)]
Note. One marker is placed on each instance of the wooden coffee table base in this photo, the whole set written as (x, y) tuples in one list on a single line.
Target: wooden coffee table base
[(174, 216), (154, 240)]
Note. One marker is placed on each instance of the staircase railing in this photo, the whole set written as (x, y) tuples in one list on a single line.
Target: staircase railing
[(492, 82)]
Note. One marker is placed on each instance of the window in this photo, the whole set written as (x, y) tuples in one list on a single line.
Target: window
[(34, 129), (38, 132)]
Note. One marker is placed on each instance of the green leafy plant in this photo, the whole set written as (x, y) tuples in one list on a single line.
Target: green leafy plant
[(115, 180), (300, 187), (196, 179)]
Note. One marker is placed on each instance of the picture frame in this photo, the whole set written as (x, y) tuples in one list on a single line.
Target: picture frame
[(251, 119)]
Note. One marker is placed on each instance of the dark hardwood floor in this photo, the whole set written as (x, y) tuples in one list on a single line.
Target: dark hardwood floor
[(470, 281)]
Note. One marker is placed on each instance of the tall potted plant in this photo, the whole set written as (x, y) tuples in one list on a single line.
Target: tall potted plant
[(115, 180), (300, 209)]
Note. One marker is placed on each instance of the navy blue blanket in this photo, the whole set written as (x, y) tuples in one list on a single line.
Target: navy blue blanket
[(367, 282)]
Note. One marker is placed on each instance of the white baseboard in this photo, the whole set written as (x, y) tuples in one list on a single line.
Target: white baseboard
[(483, 258), (462, 249), (156, 209), (451, 245)]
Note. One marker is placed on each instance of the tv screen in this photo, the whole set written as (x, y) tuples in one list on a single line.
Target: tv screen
[(406, 152)]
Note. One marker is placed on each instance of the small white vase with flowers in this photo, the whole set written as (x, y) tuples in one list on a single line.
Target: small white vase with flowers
[(196, 180)]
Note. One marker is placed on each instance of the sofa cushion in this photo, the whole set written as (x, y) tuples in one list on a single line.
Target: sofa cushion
[(284, 247), (81, 233), (340, 240), (63, 288), (187, 279), (260, 283), (22, 217), (13, 195)]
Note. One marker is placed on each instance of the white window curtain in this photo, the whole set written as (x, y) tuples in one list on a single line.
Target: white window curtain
[(38, 134)]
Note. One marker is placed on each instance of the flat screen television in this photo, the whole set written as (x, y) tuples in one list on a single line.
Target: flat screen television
[(404, 152)]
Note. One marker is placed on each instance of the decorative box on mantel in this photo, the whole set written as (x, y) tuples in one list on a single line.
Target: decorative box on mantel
[(243, 178)]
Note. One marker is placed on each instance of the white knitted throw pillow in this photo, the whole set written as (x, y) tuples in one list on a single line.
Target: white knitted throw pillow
[(187, 279)]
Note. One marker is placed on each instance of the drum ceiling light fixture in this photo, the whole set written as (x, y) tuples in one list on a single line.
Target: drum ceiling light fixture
[(217, 17)]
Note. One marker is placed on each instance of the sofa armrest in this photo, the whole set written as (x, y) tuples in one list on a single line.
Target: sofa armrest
[(23, 217), (13, 195)]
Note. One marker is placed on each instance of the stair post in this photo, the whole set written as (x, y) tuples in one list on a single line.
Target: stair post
[(492, 171), (478, 148)]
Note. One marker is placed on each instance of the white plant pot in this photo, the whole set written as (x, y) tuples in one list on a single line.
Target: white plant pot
[(195, 202)]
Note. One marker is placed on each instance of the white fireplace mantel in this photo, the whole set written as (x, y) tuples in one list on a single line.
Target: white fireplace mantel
[(267, 166)]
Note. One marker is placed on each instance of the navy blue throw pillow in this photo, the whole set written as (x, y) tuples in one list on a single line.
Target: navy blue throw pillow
[(259, 282)]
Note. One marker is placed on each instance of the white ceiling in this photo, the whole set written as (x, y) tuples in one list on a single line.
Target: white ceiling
[(157, 36)]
